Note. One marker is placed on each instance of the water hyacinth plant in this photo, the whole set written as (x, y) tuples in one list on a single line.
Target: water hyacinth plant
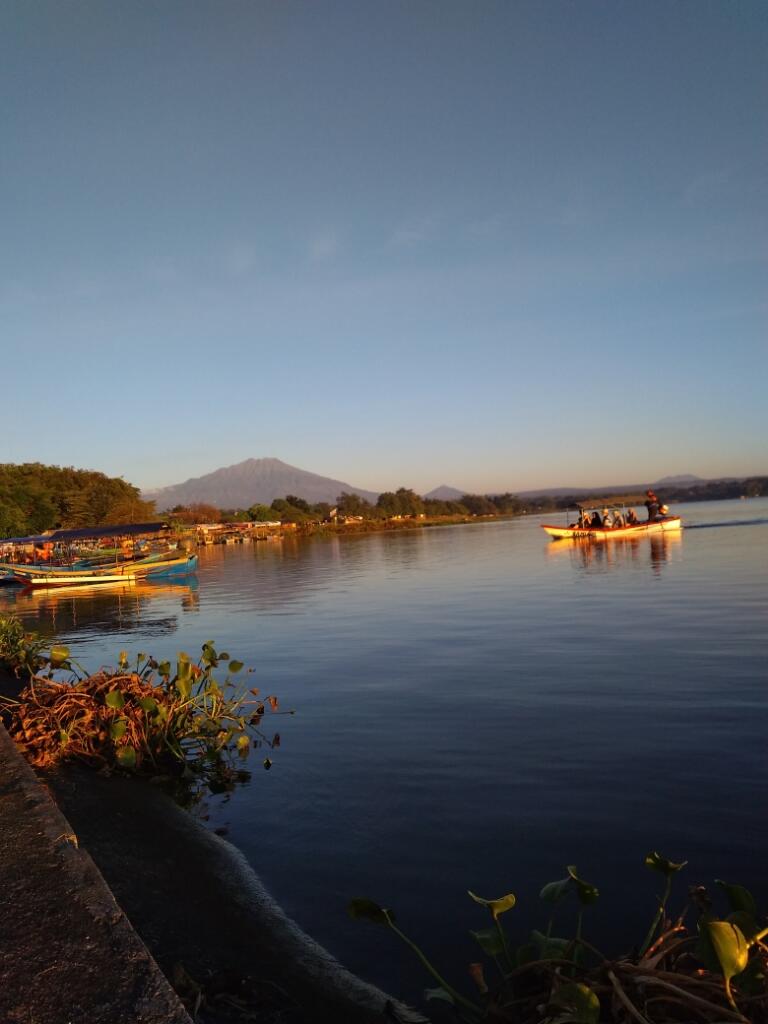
[(148, 717), (716, 971)]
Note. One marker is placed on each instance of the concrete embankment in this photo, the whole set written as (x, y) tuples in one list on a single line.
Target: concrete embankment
[(68, 955), (112, 889), (198, 905)]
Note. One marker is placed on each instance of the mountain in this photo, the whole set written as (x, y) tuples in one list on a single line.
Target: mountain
[(684, 479), (255, 481), (445, 493)]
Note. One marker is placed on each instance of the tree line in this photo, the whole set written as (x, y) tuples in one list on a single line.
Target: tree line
[(35, 498), (408, 504), (403, 502)]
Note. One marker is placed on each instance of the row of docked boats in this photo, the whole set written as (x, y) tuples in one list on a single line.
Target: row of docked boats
[(56, 560)]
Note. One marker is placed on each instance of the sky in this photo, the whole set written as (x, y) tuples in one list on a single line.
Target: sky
[(497, 245)]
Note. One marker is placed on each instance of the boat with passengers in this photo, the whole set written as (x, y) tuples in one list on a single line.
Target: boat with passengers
[(611, 521)]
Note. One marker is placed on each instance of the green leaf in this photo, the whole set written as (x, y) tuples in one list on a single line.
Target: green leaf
[(118, 729), (753, 978), (235, 666), (665, 867), (439, 993), (126, 757), (122, 659), (183, 681), (115, 699), (586, 892), (209, 655), (164, 668), (704, 949), (579, 1003), (366, 910), (746, 922), (549, 947), (496, 907), (739, 898), (525, 954), (556, 892), (490, 941), (730, 946), (59, 654), (148, 704), (243, 745)]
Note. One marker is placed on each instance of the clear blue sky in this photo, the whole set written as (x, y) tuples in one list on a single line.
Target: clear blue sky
[(494, 244)]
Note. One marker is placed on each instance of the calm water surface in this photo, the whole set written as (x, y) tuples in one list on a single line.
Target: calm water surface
[(477, 708)]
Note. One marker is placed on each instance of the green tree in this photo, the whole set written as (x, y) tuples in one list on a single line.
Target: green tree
[(298, 503), (262, 514), (352, 505)]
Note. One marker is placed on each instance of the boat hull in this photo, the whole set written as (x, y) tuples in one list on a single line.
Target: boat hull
[(667, 524), (149, 570)]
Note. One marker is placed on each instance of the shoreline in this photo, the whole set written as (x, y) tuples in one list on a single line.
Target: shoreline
[(180, 892)]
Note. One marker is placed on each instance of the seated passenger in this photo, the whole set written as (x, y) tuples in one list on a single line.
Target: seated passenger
[(631, 517), (596, 522), (607, 520), (618, 520)]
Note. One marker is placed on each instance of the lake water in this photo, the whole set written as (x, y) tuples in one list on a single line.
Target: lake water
[(477, 708)]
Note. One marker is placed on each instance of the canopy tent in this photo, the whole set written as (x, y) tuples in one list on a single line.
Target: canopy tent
[(88, 533)]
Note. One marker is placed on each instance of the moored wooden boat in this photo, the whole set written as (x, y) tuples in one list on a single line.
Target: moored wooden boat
[(145, 569)]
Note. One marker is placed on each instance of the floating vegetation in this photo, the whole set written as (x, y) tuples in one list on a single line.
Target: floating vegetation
[(175, 724), (712, 971)]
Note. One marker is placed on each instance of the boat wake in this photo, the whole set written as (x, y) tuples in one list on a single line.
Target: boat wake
[(727, 522)]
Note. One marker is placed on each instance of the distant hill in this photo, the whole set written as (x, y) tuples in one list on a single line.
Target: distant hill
[(445, 493), (684, 479), (255, 481)]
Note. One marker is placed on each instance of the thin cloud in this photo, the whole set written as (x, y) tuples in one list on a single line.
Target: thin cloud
[(324, 248), (705, 187), (405, 237)]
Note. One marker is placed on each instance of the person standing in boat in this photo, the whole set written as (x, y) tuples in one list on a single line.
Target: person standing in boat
[(652, 504)]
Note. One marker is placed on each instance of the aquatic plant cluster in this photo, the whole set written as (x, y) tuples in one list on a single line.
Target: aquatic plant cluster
[(714, 971), (147, 718)]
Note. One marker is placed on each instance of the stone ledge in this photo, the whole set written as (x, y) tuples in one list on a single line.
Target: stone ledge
[(68, 954)]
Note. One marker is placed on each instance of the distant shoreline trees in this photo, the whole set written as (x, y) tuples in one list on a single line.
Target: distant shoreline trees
[(406, 503), (35, 498)]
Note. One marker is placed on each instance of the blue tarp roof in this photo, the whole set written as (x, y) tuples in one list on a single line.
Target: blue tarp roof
[(88, 533)]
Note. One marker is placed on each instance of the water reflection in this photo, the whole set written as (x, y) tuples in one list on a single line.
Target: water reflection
[(652, 552), (118, 608), (276, 576)]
